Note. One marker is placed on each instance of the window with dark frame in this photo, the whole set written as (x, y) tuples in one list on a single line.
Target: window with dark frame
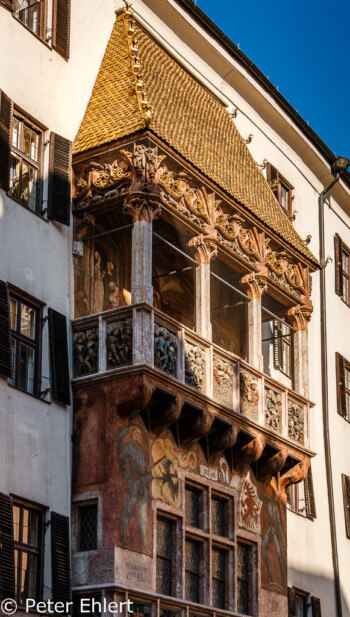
[(218, 516), (301, 497), (301, 602), (88, 527), (165, 530), (31, 14), (25, 164), (282, 190), (27, 535), (346, 497), (192, 506), (218, 584), (192, 560), (343, 386), (283, 347), (25, 318), (342, 269), (243, 577)]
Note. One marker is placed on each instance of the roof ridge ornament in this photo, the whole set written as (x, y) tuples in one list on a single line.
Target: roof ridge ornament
[(136, 68)]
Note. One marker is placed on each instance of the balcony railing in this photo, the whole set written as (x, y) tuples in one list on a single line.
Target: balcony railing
[(140, 334)]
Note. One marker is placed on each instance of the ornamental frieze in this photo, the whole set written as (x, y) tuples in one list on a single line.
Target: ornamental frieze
[(223, 381), (195, 368), (249, 388), (280, 268), (97, 181), (165, 350), (273, 410)]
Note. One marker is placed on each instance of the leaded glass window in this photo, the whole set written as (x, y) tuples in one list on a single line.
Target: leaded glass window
[(243, 577), (88, 527), (218, 562), (192, 556), (218, 516), (192, 503), (164, 555)]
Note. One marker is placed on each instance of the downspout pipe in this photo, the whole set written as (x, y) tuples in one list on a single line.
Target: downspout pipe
[(325, 399)]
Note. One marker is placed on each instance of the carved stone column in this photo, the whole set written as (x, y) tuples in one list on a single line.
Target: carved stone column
[(299, 316), (205, 250), (143, 211), (255, 286)]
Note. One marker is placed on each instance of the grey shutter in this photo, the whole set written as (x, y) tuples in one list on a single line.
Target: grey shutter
[(6, 109), (338, 250), (340, 376), (316, 607), (7, 564), (5, 332), (60, 557), (346, 497), (59, 357), (61, 27), (292, 604), (310, 503), (59, 202)]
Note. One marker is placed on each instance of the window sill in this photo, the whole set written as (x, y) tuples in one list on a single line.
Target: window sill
[(17, 201), (35, 396)]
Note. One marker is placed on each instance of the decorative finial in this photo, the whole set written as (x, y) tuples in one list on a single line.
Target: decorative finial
[(308, 239), (249, 138)]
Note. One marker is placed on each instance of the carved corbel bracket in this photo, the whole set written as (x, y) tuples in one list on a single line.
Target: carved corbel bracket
[(165, 413), (131, 398), (272, 465), (205, 247), (222, 441), (254, 284), (141, 208), (294, 475), (249, 453), (196, 428)]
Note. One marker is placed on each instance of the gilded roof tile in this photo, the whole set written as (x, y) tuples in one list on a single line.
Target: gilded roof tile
[(186, 117)]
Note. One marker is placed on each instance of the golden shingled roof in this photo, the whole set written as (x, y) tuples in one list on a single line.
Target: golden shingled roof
[(185, 116)]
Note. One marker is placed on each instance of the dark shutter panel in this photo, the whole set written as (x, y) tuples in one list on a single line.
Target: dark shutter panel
[(292, 605), (277, 344), (338, 250), (346, 496), (310, 504), (60, 557), (289, 495), (7, 564), (5, 331), (6, 108), (59, 180), (61, 27), (59, 357), (340, 375), (316, 607)]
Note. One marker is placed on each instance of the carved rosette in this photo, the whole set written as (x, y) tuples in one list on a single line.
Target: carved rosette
[(119, 343), (165, 350), (223, 381), (273, 410), (249, 389), (296, 421), (195, 366)]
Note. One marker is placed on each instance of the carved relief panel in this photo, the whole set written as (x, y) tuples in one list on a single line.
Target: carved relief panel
[(273, 409), (249, 388), (223, 381)]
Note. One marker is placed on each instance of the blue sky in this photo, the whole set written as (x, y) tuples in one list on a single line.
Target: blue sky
[(303, 46)]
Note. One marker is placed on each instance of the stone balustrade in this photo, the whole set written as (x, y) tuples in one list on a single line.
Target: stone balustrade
[(139, 334)]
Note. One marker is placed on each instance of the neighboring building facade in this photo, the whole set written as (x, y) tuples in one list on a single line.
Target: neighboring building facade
[(196, 347)]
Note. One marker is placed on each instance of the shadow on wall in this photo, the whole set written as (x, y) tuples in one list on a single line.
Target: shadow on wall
[(320, 587)]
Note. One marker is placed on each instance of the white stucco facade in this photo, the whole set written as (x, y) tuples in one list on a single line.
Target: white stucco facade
[(35, 436)]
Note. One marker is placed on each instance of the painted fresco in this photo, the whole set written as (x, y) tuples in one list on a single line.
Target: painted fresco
[(133, 482), (167, 459), (249, 504), (274, 544), (89, 438)]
